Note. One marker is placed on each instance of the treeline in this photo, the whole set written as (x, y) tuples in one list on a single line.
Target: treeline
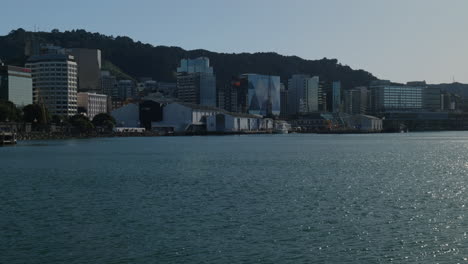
[(144, 60), (41, 119)]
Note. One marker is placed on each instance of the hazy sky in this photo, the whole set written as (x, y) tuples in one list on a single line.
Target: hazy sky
[(400, 40)]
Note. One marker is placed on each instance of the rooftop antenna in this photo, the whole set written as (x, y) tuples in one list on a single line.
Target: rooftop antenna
[(453, 78)]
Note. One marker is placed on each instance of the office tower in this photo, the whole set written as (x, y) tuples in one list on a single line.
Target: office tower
[(196, 82), (303, 94), (54, 78)]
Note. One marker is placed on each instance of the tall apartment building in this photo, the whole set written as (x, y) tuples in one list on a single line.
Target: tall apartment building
[(54, 78), (93, 103), (89, 69), (16, 85), (303, 94), (196, 82)]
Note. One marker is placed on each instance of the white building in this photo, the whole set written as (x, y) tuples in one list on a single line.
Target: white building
[(367, 123), (303, 94), (54, 78), (186, 117), (93, 103)]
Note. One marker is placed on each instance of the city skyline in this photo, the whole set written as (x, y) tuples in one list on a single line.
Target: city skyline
[(400, 41)]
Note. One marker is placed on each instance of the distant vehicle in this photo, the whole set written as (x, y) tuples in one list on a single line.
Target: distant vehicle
[(7, 138)]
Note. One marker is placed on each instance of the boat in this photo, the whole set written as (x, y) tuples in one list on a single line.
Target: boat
[(7, 138), (282, 127)]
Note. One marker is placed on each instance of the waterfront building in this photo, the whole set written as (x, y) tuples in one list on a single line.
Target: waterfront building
[(233, 122), (303, 94), (196, 82), (185, 117), (93, 103), (54, 78), (365, 123), (16, 85), (388, 97), (140, 114), (89, 69)]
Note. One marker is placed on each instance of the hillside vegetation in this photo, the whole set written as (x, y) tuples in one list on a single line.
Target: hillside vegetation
[(160, 62)]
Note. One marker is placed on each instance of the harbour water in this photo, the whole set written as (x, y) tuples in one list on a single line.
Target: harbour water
[(376, 198)]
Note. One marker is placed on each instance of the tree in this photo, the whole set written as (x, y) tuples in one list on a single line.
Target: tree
[(35, 113), (81, 123), (104, 120), (9, 112)]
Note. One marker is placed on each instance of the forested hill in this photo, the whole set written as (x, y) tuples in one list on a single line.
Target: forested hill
[(160, 62)]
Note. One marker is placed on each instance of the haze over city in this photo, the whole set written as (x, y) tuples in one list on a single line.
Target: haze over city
[(396, 40)]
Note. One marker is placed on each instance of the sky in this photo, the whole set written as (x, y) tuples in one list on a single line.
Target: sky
[(398, 40)]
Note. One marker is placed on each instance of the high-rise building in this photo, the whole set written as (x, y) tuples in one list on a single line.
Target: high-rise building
[(89, 69), (336, 102), (16, 85), (303, 94), (283, 101), (93, 103), (263, 94), (355, 100), (196, 82), (252, 93), (54, 78), (234, 96)]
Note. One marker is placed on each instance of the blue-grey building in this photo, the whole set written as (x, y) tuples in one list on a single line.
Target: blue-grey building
[(336, 102), (196, 82)]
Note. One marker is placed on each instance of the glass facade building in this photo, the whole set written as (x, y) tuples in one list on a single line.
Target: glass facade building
[(336, 103), (263, 94), (16, 85)]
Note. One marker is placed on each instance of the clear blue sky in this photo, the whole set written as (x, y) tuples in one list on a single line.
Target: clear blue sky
[(400, 40)]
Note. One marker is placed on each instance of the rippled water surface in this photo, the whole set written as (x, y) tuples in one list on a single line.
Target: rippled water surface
[(384, 198)]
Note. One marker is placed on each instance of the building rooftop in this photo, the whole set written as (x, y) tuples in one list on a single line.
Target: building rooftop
[(50, 57)]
